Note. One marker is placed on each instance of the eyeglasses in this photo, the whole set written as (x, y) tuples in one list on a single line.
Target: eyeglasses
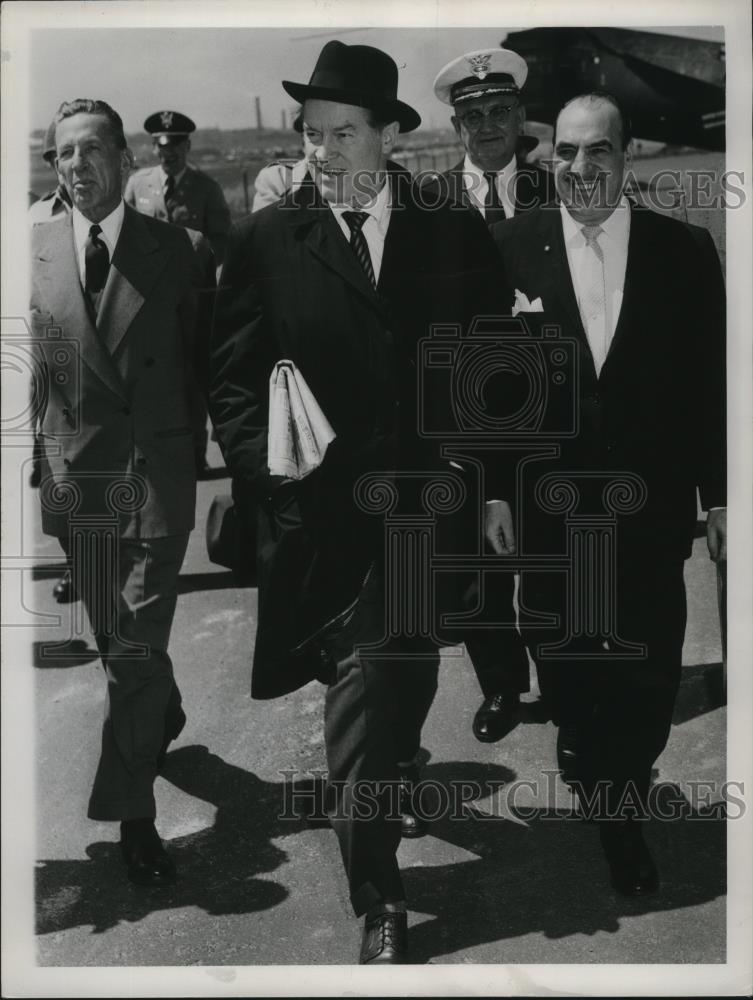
[(498, 114)]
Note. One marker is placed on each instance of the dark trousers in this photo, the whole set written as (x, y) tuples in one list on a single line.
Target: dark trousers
[(130, 599), (622, 707), (374, 712), (497, 652)]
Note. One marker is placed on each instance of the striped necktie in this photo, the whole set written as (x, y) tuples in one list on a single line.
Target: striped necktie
[(493, 208), (358, 242), (167, 192)]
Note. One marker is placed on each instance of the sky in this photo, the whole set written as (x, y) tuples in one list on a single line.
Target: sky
[(215, 74)]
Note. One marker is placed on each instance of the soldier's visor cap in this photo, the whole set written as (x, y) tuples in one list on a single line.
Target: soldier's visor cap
[(169, 127)]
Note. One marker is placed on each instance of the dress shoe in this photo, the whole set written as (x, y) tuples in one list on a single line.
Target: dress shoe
[(631, 867), (411, 823), (385, 939), (572, 751), (173, 729), (147, 861), (496, 717), (64, 592)]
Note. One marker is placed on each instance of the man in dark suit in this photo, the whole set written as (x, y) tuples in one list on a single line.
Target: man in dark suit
[(115, 303), (484, 89), (181, 194), (642, 296), (343, 277)]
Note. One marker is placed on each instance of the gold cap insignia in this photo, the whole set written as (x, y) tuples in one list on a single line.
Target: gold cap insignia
[(480, 65)]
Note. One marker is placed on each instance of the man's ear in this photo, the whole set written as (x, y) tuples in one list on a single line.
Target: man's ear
[(521, 116), (456, 125), (127, 161), (389, 136), (188, 144)]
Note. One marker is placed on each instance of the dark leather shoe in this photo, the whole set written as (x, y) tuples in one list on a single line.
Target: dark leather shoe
[(64, 591), (385, 940), (631, 867), (173, 729), (147, 861), (411, 823), (496, 717)]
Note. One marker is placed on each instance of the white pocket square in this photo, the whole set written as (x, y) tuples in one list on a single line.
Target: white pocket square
[(523, 305)]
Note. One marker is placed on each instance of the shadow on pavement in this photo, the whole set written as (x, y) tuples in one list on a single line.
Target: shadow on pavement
[(701, 691), (219, 867), (222, 580), (541, 871), (59, 655)]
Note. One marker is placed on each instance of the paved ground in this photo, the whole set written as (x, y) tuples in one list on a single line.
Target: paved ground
[(509, 883)]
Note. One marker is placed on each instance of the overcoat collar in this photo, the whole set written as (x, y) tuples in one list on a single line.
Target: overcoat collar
[(317, 227)]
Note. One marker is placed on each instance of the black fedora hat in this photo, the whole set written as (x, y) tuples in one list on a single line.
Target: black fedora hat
[(360, 75)]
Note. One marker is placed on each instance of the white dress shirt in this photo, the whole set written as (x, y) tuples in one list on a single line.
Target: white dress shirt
[(110, 227), (374, 228), (477, 187), (613, 241)]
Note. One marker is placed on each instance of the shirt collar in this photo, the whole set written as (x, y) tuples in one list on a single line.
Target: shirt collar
[(164, 175), (615, 227), (110, 226), (378, 209), (473, 175)]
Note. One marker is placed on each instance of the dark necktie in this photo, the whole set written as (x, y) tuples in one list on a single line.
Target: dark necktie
[(493, 210), (358, 242), (97, 261), (168, 192)]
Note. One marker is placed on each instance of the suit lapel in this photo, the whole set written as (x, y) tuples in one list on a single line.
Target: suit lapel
[(640, 270), (57, 271), (458, 190), (136, 264)]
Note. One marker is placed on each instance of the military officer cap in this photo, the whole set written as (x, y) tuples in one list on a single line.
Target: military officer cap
[(483, 73), (169, 126)]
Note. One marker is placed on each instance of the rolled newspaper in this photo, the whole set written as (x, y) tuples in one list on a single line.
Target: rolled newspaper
[(299, 433)]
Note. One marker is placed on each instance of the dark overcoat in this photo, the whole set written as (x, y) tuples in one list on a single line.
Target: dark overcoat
[(293, 289)]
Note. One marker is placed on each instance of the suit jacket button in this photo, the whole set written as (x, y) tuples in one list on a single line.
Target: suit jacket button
[(148, 362)]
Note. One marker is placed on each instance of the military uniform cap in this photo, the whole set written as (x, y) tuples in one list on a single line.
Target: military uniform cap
[(169, 126), (482, 73)]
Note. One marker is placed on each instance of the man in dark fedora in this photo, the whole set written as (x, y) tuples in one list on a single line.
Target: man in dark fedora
[(484, 89), (343, 277)]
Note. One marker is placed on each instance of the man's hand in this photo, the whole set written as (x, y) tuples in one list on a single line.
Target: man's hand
[(498, 527), (716, 534)]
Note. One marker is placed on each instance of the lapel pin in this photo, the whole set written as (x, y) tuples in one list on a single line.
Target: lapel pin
[(546, 248)]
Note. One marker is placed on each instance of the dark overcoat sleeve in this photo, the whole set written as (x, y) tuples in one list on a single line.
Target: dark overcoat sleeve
[(242, 355)]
